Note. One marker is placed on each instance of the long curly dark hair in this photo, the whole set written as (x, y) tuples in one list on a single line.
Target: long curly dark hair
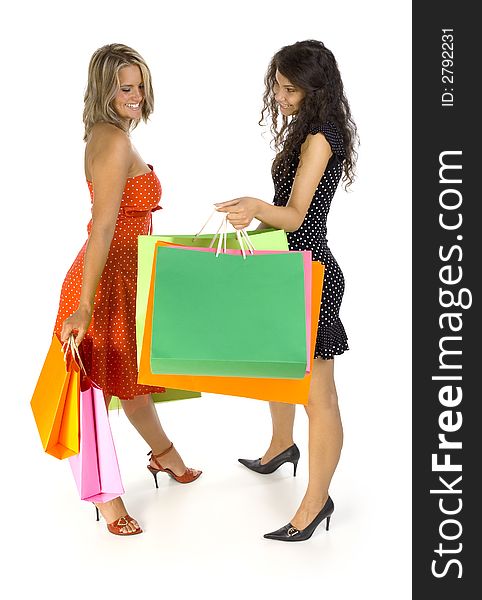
[(310, 66)]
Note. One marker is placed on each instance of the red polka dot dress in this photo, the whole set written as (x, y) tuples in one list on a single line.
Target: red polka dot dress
[(109, 346)]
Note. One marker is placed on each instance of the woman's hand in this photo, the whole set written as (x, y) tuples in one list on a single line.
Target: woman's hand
[(78, 322), (241, 211)]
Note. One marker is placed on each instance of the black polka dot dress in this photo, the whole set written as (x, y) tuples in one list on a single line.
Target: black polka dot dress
[(331, 338)]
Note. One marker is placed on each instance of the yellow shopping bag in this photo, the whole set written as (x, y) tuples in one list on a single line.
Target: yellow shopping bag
[(55, 402)]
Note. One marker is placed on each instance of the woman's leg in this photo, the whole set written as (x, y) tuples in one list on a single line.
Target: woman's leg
[(325, 441), (283, 418), (115, 509), (141, 412)]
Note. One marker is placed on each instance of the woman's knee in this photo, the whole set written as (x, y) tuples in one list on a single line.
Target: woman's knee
[(326, 399), (134, 404)]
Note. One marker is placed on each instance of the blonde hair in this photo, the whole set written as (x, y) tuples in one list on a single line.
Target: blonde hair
[(103, 84)]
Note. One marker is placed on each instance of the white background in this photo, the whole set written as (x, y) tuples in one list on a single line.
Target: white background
[(208, 60)]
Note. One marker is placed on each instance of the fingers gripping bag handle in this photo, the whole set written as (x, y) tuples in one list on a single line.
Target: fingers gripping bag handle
[(244, 242), (71, 346)]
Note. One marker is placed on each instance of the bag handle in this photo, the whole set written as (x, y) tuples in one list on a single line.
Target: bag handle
[(244, 241), (204, 226), (71, 346)]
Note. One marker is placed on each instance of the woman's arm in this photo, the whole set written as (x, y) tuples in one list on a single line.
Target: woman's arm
[(109, 171), (315, 154), (262, 226)]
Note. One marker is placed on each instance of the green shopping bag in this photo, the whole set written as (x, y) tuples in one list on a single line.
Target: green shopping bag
[(205, 308), (262, 239), (168, 396)]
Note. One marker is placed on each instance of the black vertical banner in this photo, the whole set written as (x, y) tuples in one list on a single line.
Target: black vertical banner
[(447, 254)]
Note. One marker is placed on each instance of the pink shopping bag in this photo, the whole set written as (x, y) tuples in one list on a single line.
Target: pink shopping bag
[(95, 468)]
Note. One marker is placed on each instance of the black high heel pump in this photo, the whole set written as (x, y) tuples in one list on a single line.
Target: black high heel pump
[(291, 454), (288, 533)]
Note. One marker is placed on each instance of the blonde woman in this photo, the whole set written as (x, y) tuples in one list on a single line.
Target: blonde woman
[(98, 295)]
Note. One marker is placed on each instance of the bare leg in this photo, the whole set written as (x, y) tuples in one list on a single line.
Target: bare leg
[(142, 413), (115, 509), (325, 441), (283, 418)]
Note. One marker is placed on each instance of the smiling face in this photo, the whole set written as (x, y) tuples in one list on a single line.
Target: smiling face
[(130, 96), (288, 96)]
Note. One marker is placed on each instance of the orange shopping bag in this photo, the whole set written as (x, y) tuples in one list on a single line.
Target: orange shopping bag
[(292, 391), (55, 403)]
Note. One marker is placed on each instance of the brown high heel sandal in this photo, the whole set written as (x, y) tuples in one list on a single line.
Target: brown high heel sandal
[(117, 526), (188, 475)]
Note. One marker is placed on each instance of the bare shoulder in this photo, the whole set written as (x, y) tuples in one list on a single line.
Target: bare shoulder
[(107, 145), (108, 136), (316, 144), (314, 156)]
